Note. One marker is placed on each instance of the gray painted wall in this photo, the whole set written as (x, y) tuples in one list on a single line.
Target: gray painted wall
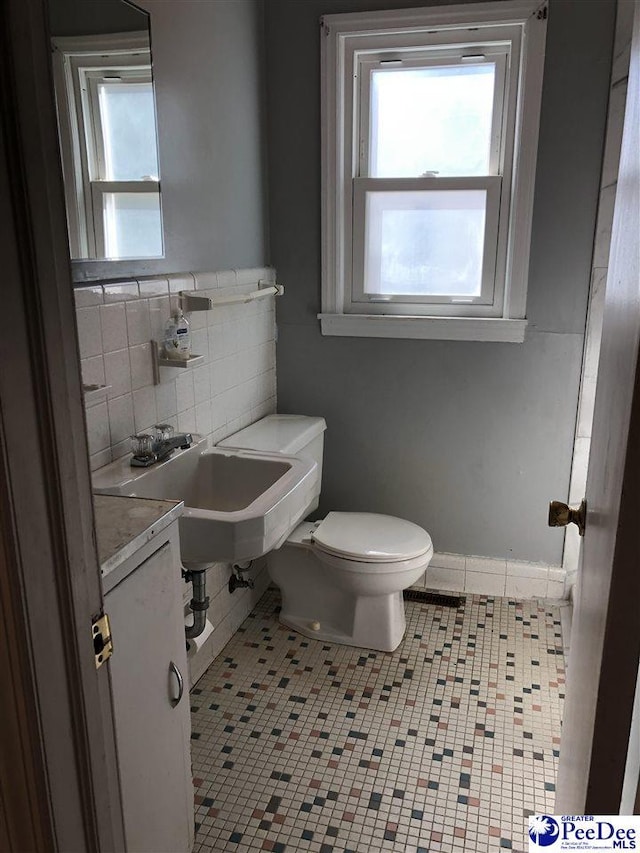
[(208, 66), (470, 440)]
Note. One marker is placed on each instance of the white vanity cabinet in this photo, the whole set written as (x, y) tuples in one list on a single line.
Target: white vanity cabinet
[(149, 676)]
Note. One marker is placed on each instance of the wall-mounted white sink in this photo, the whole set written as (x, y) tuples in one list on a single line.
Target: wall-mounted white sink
[(239, 504)]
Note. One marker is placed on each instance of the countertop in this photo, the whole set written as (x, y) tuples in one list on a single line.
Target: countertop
[(123, 525)]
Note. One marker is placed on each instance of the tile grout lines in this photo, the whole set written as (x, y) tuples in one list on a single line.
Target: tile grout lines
[(447, 744)]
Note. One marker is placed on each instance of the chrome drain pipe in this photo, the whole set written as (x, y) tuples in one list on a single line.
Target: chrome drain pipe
[(199, 603)]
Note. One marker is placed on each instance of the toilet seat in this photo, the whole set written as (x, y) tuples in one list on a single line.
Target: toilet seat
[(347, 566), (371, 538)]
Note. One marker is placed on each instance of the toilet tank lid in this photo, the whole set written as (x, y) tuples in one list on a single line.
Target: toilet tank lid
[(371, 538), (277, 433)]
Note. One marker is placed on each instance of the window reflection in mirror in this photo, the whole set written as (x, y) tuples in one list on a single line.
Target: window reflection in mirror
[(107, 128)]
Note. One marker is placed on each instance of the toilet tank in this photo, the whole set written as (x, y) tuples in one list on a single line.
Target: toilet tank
[(295, 435)]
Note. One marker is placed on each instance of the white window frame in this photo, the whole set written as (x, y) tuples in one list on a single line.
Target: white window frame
[(351, 47), (80, 64)]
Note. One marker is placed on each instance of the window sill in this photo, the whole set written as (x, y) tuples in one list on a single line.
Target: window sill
[(424, 328)]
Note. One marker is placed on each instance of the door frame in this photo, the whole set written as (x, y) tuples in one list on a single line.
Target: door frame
[(59, 785), (605, 640)]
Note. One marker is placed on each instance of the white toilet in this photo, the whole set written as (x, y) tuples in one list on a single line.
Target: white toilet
[(341, 578)]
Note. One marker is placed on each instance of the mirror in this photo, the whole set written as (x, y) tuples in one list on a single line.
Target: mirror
[(107, 129)]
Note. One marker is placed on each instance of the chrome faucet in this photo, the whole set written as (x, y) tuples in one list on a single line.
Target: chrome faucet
[(150, 449)]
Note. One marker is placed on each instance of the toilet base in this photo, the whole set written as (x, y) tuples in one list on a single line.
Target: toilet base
[(335, 600), (377, 623)]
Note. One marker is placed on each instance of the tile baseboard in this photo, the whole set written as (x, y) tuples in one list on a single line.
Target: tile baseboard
[(487, 576)]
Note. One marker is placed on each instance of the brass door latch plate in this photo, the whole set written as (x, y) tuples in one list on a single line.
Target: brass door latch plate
[(101, 636)]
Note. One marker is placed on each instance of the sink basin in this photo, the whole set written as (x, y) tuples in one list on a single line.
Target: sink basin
[(239, 504)]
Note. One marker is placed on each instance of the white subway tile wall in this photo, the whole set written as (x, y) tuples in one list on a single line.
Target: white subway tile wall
[(117, 372), (114, 326), (235, 386), (138, 326), (89, 334), (94, 371)]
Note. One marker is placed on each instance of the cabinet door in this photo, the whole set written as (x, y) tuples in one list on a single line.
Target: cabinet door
[(153, 734)]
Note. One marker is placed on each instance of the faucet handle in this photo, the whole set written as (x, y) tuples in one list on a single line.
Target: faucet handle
[(142, 445), (163, 432)]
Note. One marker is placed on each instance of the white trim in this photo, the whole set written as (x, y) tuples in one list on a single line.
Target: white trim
[(473, 14), (345, 34), (105, 44), (333, 118), (524, 162), (423, 328), (102, 187), (71, 153)]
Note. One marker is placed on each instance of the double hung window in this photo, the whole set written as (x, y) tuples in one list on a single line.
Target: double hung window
[(429, 142), (107, 125)]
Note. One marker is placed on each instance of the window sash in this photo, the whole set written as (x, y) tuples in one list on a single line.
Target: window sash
[(94, 132), (366, 63), (98, 191), (488, 303)]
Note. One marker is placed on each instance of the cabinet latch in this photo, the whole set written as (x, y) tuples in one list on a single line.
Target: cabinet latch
[(101, 636)]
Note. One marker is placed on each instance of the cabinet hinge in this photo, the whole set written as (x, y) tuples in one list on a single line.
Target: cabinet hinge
[(101, 636)]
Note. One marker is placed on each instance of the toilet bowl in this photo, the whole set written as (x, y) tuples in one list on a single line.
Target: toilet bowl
[(341, 578)]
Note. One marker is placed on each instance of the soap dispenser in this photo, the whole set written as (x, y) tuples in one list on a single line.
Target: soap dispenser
[(177, 337)]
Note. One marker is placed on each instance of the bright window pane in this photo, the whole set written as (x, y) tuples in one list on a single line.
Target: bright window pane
[(434, 120), (129, 128), (132, 225), (427, 243)]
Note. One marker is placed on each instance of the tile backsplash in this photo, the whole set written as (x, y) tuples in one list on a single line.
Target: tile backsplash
[(234, 386)]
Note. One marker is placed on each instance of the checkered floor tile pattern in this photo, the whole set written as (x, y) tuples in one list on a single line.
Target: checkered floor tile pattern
[(448, 743)]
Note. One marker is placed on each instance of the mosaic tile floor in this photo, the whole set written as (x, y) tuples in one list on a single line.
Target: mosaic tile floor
[(448, 743)]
